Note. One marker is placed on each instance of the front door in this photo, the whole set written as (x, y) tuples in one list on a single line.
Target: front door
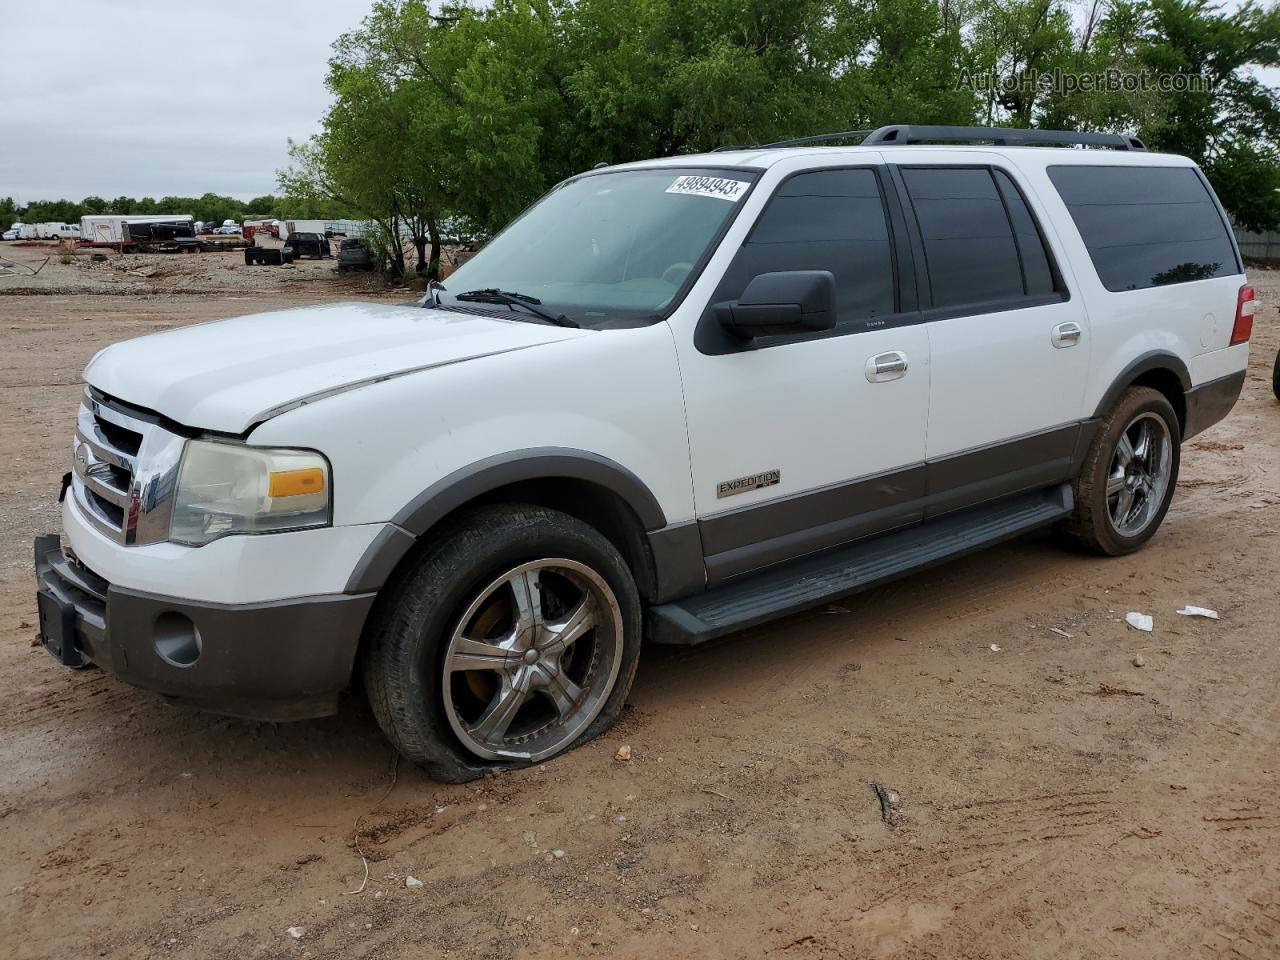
[(799, 444)]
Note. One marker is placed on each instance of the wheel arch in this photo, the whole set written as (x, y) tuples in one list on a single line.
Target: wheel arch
[(1159, 370), (584, 485)]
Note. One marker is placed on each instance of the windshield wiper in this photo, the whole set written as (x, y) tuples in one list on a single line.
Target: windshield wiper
[(511, 299)]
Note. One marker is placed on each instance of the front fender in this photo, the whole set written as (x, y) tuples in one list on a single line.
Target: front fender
[(606, 408)]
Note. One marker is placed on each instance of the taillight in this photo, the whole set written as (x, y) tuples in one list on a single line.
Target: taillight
[(1245, 305)]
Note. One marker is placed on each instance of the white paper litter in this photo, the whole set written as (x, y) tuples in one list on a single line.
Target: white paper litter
[(1139, 621), (412, 882), (995, 648), (1060, 632), (295, 932), (1199, 612)]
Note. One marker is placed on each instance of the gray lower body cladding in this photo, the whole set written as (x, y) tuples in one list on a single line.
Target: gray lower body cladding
[(282, 660), (1210, 402)]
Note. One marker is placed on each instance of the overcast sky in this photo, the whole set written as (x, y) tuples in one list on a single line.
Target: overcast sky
[(156, 98)]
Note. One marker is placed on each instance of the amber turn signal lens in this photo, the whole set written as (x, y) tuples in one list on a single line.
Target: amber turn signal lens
[(295, 483)]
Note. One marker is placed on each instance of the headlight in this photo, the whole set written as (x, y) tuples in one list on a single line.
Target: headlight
[(230, 488)]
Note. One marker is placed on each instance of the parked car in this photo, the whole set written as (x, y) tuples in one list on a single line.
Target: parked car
[(354, 255), (299, 245), (674, 399), (11, 234)]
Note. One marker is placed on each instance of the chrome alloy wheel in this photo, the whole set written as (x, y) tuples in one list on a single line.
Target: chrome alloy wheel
[(1139, 476), (532, 660)]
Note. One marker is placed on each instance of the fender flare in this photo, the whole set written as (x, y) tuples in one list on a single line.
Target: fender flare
[(1154, 360), (449, 493)]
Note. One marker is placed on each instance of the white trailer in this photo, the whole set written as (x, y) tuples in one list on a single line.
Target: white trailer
[(28, 231), (329, 228), (112, 230)]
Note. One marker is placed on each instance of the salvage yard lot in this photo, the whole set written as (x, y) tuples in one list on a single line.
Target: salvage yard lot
[(1052, 798)]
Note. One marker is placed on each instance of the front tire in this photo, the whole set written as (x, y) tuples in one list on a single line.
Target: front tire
[(512, 638), (1129, 474)]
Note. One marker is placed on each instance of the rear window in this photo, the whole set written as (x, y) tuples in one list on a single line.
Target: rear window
[(1146, 226)]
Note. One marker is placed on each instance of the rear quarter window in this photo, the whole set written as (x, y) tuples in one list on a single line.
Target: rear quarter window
[(1146, 226)]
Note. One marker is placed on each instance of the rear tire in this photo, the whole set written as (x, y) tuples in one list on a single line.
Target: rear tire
[(513, 637), (1128, 477)]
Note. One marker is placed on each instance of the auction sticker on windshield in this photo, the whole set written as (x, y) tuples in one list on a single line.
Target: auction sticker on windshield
[(721, 187)]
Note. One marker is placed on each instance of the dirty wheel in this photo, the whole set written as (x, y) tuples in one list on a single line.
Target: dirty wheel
[(531, 661), (513, 637), (1128, 477)]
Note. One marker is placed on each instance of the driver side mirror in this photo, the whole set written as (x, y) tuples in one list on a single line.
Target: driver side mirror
[(777, 304)]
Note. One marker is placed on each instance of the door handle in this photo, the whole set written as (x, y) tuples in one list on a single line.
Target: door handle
[(886, 366), (1067, 334)]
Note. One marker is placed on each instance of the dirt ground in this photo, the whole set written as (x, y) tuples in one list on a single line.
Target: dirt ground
[(1049, 799)]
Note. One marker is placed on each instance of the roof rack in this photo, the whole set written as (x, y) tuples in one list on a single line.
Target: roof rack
[(858, 135), (904, 133)]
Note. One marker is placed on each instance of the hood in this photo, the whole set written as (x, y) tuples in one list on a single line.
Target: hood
[(231, 374)]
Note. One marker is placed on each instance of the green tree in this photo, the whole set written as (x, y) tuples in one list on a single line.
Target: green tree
[(469, 113), (1230, 125), (262, 207), (1013, 43), (1199, 96), (465, 113), (915, 70)]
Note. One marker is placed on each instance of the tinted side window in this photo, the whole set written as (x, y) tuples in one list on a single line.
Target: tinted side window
[(1037, 276), (1146, 226), (826, 220), (968, 243)]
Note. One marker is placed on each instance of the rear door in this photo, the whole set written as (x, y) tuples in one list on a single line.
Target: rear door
[(801, 443), (1009, 344)]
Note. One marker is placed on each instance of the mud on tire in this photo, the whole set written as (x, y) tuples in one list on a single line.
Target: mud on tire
[(436, 607), (1111, 477)]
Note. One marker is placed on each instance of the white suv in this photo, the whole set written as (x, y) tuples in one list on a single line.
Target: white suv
[(675, 398)]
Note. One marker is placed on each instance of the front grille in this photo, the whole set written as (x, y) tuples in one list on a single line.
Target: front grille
[(123, 439), (125, 465)]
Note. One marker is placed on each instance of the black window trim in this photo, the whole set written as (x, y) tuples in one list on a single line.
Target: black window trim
[(901, 258), (1208, 189), (930, 313), (1017, 246)]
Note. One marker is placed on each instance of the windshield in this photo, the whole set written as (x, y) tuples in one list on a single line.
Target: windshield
[(610, 246)]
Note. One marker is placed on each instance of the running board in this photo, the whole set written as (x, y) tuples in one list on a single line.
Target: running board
[(813, 581)]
